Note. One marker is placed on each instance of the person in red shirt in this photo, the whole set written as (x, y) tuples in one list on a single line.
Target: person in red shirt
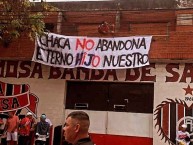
[(11, 128), (24, 130)]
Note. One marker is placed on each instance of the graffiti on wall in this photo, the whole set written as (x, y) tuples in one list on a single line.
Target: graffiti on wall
[(14, 97), (173, 89), (176, 107), (28, 69)]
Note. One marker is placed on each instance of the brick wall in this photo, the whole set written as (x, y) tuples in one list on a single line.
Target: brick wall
[(170, 41)]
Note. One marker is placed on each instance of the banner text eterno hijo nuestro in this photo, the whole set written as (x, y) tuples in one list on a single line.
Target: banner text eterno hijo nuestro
[(90, 52)]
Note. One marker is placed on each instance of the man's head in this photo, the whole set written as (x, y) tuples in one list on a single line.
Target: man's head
[(183, 127), (76, 126), (10, 114), (43, 118), (29, 115)]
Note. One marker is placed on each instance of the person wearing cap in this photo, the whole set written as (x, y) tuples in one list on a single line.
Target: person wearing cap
[(42, 131), (183, 137), (48, 120), (50, 123), (24, 130)]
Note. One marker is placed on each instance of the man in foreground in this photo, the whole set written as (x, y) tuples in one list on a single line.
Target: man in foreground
[(76, 128)]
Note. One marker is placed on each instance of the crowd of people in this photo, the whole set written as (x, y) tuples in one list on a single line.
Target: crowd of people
[(24, 131)]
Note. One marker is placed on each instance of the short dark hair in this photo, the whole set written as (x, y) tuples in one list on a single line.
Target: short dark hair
[(79, 115), (82, 118)]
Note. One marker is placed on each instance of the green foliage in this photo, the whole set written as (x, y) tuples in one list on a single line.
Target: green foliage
[(36, 24), (18, 16)]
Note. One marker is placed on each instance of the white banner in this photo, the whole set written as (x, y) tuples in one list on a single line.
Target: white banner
[(91, 52)]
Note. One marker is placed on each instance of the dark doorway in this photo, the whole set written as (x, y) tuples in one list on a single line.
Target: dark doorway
[(110, 96)]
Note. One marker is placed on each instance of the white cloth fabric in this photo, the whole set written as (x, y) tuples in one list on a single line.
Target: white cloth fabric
[(180, 137), (41, 137), (4, 122), (49, 122), (12, 136)]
